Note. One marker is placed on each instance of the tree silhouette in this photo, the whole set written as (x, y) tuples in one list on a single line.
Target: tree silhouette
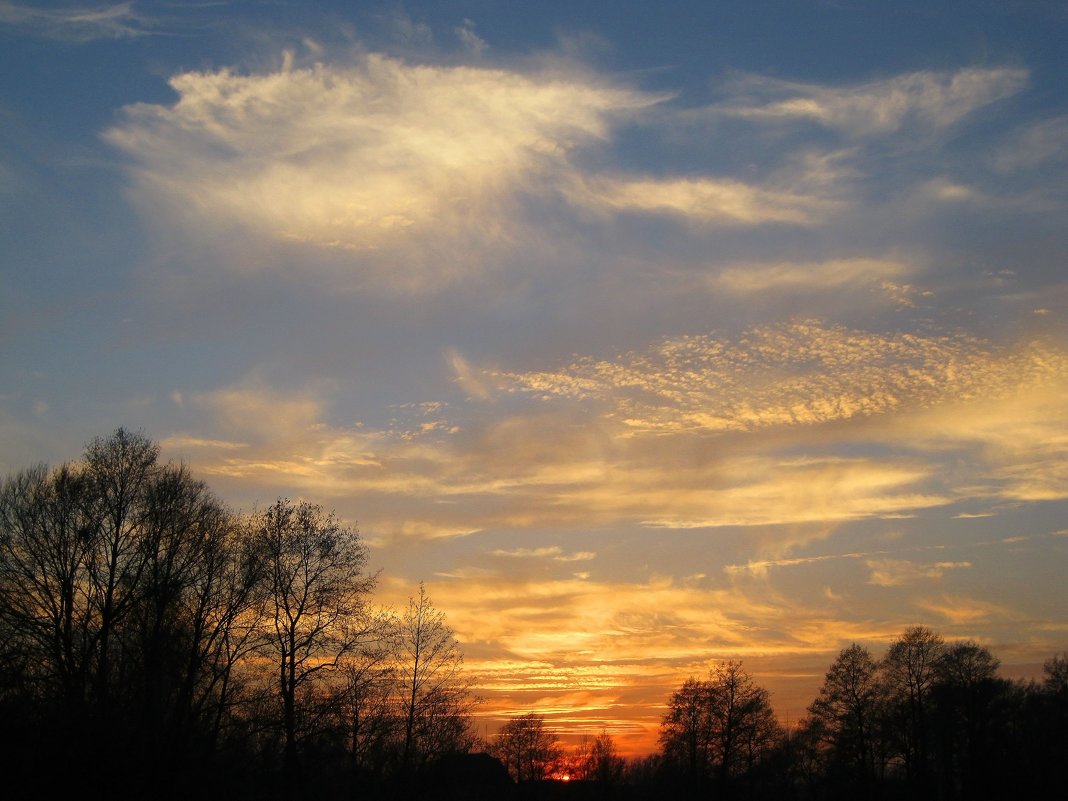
[(602, 762), (125, 595), (527, 748), (719, 728), (966, 696), (435, 695), (846, 715), (909, 671), (316, 613)]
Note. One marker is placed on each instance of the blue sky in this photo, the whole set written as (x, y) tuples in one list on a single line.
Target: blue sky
[(648, 335)]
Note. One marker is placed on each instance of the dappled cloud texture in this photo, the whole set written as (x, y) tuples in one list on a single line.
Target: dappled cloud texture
[(694, 432), (801, 373)]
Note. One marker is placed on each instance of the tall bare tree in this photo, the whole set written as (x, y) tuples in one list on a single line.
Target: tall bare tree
[(846, 715), (720, 727), (124, 586), (436, 697), (527, 747), (120, 469), (909, 671), (684, 729), (599, 761), (316, 604)]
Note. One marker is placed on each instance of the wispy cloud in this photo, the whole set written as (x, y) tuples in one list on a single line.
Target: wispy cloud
[(78, 23), (390, 163), (470, 40), (895, 572), (723, 202), (697, 432), (810, 277), (1034, 145), (554, 552), (961, 610), (920, 101)]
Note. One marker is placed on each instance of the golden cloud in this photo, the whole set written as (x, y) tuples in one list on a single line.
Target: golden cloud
[(806, 424), (810, 276), (895, 572)]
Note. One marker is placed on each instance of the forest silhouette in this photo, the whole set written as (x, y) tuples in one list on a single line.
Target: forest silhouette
[(156, 644)]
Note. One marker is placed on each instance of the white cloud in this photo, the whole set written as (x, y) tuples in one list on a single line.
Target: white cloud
[(554, 552), (1033, 146), (702, 200), (696, 432), (470, 40), (78, 23), (920, 100), (253, 408), (413, 167)]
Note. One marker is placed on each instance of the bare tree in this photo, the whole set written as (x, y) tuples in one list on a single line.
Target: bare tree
[(436, 697), (1055, 675), (124, 586), (366, 708), (847, 714), (720, 727), (315, 614), (909, 671), (743, 723), (45, 583), (527, 748), (602, 762), (684, 729), (120, 469), (966, 703)]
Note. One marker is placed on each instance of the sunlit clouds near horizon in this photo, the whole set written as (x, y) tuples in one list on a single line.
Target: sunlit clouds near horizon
[(646, 342)]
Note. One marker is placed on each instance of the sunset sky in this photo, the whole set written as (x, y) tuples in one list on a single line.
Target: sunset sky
[(647, 334)]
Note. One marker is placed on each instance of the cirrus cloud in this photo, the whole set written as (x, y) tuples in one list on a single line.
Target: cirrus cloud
[(921, 101), (367, 159)]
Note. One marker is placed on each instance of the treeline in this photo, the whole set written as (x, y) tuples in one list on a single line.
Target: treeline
[(928, 720), (154, 644)]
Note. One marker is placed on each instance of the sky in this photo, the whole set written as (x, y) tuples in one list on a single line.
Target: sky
[(647, 335)]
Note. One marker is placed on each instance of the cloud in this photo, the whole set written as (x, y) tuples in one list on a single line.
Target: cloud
[(961, 610), (409, 169), (702, 200), (895, 572), (253, 408), (553, 551), (470, 40), (470, 379), (810, 277), (1016, 431), (919, 101), (806, 425), (1036, 144), (179, 441), (78, 23), (412, 177), (805, 372), (575, 647), (760, 567)]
